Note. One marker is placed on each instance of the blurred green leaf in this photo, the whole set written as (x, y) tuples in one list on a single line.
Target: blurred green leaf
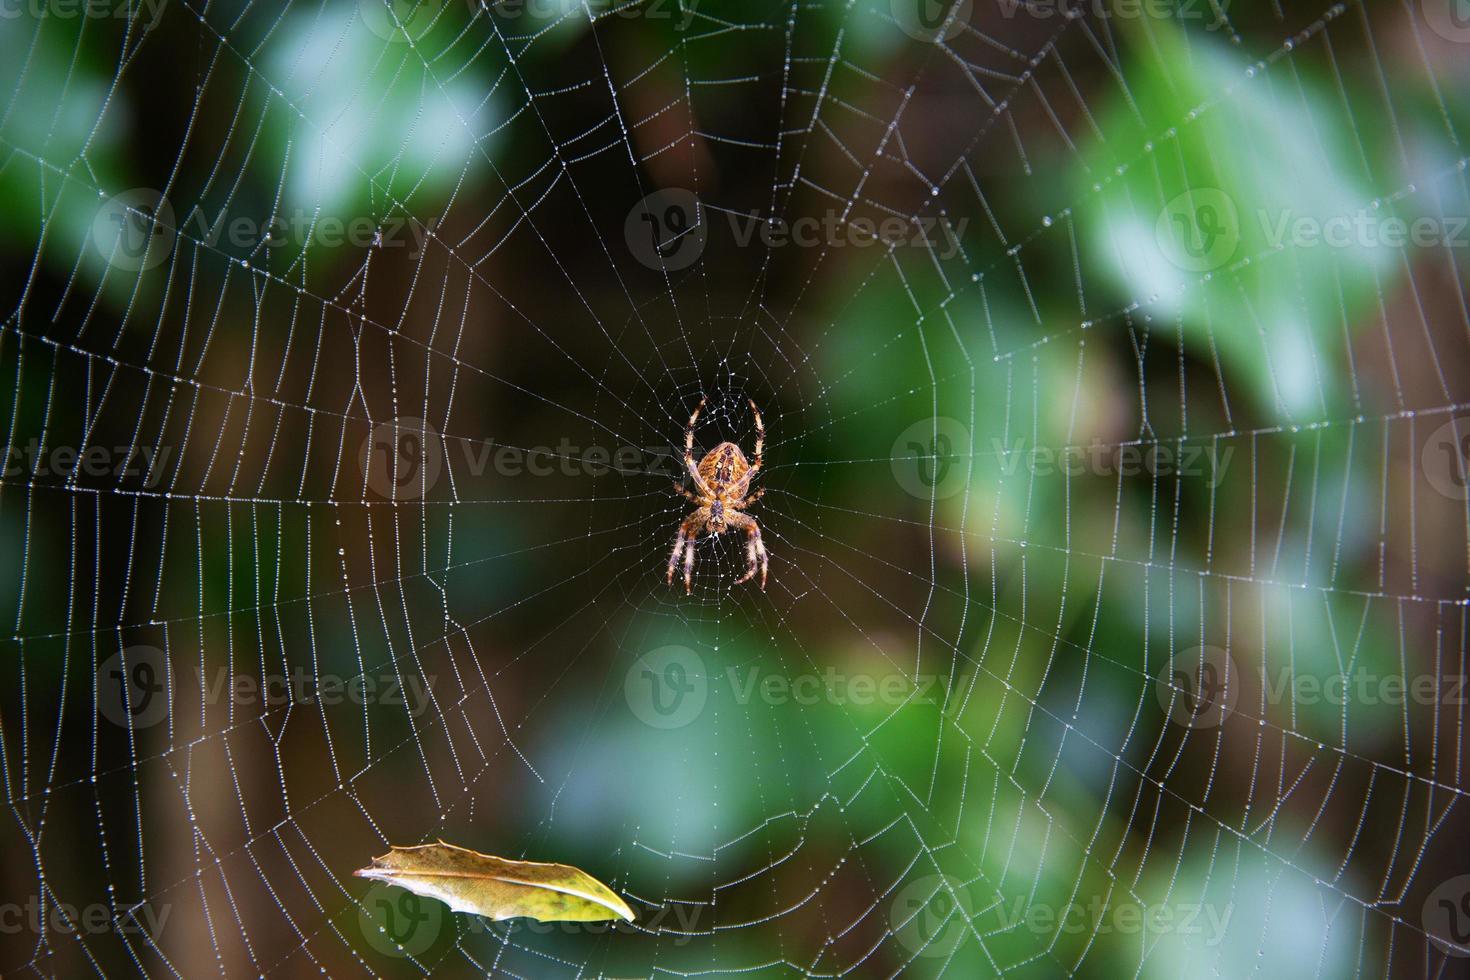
[(369, 125), (60, 144), (1209, 166)]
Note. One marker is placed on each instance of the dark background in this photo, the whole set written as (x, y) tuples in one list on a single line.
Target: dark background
[(501, 155)]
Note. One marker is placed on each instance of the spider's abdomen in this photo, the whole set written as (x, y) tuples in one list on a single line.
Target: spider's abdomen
[(722, 466)]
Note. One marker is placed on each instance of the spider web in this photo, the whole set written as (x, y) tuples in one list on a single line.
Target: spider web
[(367, 334)]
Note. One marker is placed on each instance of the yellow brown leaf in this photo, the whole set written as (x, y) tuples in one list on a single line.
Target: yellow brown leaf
[(497, 888)]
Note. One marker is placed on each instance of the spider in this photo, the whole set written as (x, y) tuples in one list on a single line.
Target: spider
[(721, 481)]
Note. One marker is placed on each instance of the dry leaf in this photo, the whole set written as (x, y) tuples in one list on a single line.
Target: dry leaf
[(468, 881)]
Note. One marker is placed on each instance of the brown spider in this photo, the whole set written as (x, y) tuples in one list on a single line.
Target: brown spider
[(720, 483)]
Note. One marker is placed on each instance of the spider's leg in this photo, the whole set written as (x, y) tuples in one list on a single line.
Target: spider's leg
[(738, 488), (760, 435), (674, 557), (694, 416), (755, 550), (752, 498), (688, 531), (689, 495), (689, 464), (689, 567)]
